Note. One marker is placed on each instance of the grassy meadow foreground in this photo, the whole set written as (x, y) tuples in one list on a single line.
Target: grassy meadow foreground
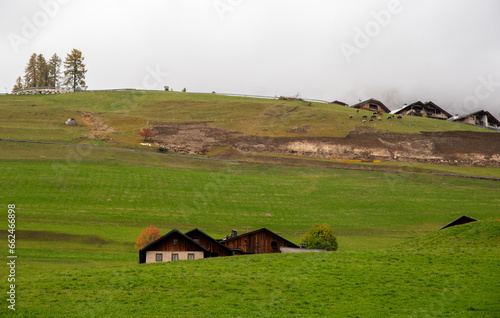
[(79, 211)]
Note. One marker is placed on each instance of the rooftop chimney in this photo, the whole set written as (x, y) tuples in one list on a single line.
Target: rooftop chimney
[(234, 233)]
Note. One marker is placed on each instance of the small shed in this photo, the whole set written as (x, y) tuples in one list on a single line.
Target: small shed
[(372, 105), (257, 242), (337, 102), (71, 122), (172, 246), (464, 219)]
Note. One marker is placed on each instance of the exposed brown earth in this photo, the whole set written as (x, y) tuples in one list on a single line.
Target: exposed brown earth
[(98, 129), (450, 148)]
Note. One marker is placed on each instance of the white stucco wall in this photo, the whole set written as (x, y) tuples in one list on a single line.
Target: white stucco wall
[(167, 256)]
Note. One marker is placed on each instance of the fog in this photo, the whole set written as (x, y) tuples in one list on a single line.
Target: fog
[(398, 52)]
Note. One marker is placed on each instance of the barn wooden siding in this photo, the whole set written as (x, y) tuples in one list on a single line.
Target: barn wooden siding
[(216, 249), (258, 242)]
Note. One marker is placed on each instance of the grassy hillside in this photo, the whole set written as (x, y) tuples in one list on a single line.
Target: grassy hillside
[(470, 238), (367, 209), (79, 210), (404, 282), (41, 117)]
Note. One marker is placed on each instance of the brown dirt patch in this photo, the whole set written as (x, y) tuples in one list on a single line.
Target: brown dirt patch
[(98, 129), (450, 148)]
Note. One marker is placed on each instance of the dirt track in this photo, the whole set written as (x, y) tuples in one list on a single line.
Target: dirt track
[(451, 148)]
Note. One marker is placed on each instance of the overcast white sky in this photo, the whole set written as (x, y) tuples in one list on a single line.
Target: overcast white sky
[(447, 51)]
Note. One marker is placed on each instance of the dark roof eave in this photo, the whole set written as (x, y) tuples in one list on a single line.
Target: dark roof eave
[(145, 248)]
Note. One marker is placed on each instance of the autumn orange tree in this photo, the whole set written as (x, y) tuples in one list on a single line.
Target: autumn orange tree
[(148, 235), (146, 133)]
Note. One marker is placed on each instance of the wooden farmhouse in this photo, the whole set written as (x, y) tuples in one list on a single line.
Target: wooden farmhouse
[(428, 109), (195, 244), (172, 246), (480, 118), (215, 248), (257, 242), (372, 105)]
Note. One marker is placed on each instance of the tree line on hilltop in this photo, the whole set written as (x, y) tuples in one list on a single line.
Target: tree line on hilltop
[(42, 73)]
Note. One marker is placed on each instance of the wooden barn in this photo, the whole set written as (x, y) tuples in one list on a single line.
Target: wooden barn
[(428, 109), (479, 118), (172, 246), (257, 242), (372, 105), (215, 248), (337, 102), (464, 219)]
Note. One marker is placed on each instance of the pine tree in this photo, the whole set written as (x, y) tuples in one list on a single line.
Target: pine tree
[(54, 66), (31, 72), (42, 71), (19, 84), (74, 73)]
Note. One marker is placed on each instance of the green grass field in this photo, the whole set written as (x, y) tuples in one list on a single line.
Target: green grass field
[(41, 117), (79, 211)]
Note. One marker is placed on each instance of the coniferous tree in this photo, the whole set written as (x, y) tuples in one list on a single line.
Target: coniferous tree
[(31, 72), (19, 84), (42, 71), (54, 66), (74, 73)]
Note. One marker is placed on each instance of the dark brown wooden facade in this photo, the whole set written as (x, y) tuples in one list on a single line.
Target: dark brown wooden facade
[(173, 241), (258, 242), (372, 105), (428, 109), (215, 248)]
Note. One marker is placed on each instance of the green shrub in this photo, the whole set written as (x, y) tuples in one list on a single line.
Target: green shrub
[(320, 236)]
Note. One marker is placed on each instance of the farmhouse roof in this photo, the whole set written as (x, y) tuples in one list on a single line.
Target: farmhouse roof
[(208, 237), (262, 230), (491, 118), (340, 103), (371, 100), (145, 248), (419, 103), (464, 219)]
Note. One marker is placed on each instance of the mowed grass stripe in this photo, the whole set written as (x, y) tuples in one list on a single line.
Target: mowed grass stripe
[(287, 200)]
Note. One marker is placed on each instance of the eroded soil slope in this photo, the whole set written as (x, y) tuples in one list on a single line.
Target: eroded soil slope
[(456, 147)]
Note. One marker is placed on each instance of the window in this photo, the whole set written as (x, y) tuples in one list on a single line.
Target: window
[(175, 257), (159, 257), (175, 241), (245, 243), (196, 241), (190, 256), (274, 245)]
